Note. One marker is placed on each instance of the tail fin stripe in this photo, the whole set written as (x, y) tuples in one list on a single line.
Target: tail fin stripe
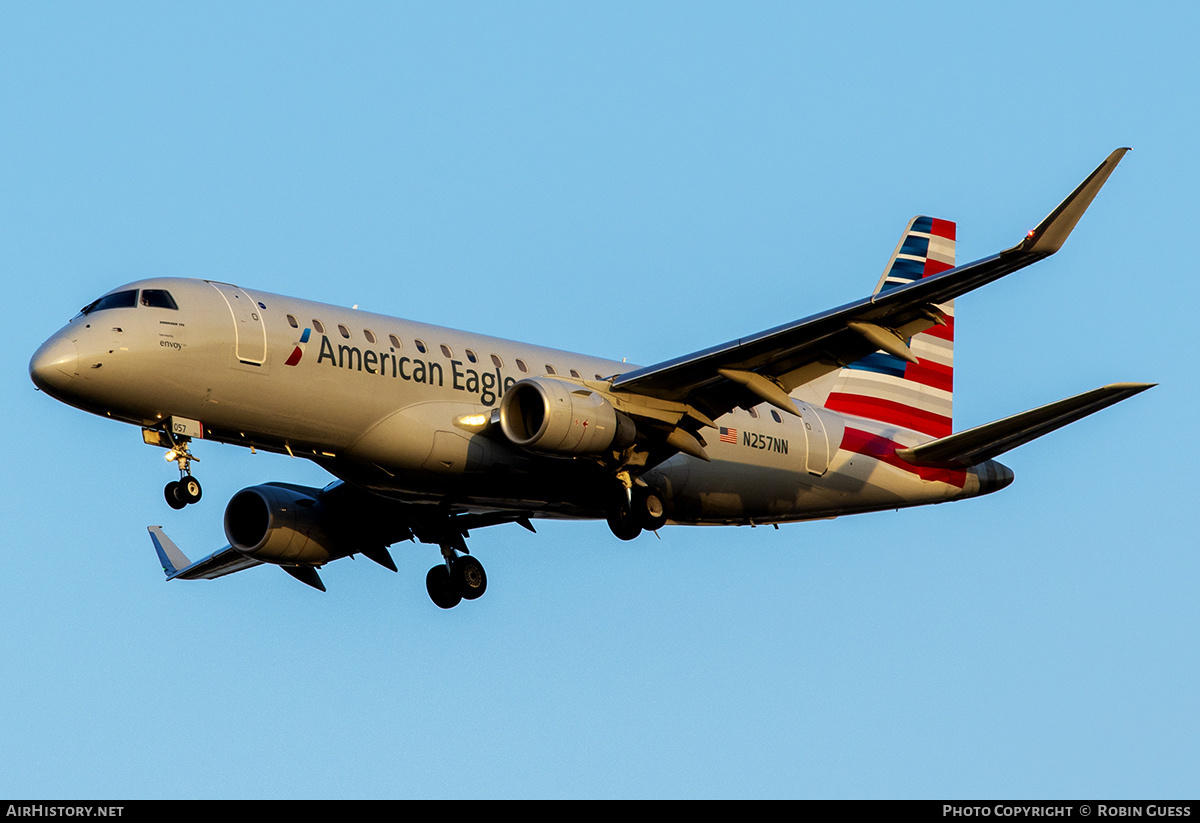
[(931, 374), (887, 389), (895, 414), (877, 386)]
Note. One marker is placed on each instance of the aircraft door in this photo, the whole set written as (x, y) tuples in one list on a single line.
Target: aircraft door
[(821, 441), (250, 332)]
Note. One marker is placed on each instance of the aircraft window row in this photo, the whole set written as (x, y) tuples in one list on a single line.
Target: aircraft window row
[(345, 332), (151, 298), (753, 412)]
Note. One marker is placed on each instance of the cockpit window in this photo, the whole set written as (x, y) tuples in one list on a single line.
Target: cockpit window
[(158, 299), (119, 300)]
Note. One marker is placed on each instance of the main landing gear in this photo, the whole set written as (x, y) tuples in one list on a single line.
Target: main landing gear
[(187, 490), (634, 508), (460, 577)]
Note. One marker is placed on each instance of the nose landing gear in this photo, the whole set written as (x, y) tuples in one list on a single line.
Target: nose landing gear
[(182, 493), (187, 490)]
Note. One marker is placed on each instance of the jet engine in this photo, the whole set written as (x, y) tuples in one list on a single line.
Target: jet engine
[(283, 524), (556, 417)]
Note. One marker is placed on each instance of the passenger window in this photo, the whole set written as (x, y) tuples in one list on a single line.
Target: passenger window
[(292, 322), (497, 362), (420, 346), (345, 332), (395, 341), (753, 413), (576, 374), (775, 415), (318, 326), (158, 299), (370, 335), (550, 369), (471, 356), (521, 365), (446, 351)]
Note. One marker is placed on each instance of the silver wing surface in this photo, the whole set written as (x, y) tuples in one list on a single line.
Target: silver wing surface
[(749, 370)]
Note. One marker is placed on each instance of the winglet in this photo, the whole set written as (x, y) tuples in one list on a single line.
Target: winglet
[(1052, 232), (168, 553)]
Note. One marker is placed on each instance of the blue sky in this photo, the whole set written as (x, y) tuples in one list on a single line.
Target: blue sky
[(627, 180)]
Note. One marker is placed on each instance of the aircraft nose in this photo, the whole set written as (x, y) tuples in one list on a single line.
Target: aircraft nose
[(55, 364)]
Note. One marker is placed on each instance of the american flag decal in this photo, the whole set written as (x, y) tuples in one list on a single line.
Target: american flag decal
[(728, 435)]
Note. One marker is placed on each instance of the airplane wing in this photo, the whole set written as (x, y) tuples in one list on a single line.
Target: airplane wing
[(176, 564), (768, 365)]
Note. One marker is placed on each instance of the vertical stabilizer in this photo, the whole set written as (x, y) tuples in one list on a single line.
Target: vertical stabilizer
[(887, 388)]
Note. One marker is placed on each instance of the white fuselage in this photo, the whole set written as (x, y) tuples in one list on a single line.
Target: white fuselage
[(375, 400)]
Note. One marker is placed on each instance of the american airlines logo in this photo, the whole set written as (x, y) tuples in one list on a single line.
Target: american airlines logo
[(298, 352)]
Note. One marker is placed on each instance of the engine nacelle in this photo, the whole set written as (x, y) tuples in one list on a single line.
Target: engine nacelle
[(280, 524), (547, 415)]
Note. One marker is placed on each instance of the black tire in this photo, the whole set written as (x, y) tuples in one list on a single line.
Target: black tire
[(189, 489), (623, 523), (469, 577), (174, 496), (441, 588)]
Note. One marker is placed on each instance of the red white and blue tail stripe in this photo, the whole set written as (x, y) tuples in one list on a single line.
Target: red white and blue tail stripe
[(883, 387)]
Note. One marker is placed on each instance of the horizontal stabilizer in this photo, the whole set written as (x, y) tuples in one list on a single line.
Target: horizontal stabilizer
[(967, 448)]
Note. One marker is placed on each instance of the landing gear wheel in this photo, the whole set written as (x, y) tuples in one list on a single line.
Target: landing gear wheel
[(189, 489), (650, 511), (442, 591), (623, 523), (469, 577), (174, 496)]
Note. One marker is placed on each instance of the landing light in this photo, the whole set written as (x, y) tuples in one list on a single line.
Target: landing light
[(472, 422)]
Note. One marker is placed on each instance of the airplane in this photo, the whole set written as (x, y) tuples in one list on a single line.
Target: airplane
[(432, 432)]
